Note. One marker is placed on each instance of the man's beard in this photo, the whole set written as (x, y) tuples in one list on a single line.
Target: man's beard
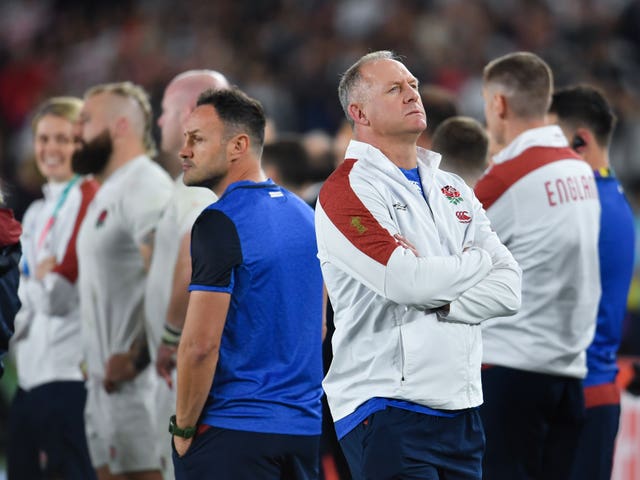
[(92, 157)]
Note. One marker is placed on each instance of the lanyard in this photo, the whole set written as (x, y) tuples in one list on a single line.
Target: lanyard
[(52, 218)]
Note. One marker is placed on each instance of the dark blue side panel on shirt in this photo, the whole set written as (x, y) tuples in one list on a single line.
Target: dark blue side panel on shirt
[(215, 251)]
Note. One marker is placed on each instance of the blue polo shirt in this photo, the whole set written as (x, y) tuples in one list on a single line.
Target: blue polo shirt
[(257, 243), (616, 248)]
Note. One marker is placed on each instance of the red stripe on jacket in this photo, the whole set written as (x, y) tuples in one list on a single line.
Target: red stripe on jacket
[(68, 268), (347, 212), (501, 176)]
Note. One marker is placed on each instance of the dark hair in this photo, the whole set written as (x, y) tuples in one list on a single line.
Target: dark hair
[(525, 80), (464, 145), (439, 104), (585, 106), (239, 112), (290, 158)]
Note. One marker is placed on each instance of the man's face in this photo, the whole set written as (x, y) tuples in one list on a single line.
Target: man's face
[(171, 120), (204, 156), (390, 99), (94, 142)]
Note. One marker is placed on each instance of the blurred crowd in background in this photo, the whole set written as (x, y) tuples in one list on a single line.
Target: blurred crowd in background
[(289, 54)]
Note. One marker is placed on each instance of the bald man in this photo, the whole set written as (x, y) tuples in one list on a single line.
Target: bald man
[(167, 286), (114, 249)]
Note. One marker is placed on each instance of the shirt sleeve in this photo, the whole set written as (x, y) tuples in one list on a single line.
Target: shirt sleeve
[(143, 207), (354, 230), (499, 293), (215, 252)]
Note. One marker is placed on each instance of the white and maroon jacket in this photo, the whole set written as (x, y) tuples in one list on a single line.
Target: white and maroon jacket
[(543, 204), (48, 343), (389, 342)]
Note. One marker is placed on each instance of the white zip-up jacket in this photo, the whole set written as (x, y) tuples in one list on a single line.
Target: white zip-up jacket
[(48, 343), (543, 203), (389, 340)]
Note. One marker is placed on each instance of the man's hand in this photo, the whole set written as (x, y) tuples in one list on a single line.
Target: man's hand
[(166, 362), (181, 445), (45, 266), (120, 368), (403, 242)]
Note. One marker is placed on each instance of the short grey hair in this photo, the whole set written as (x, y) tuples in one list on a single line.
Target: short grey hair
[(350, 79)]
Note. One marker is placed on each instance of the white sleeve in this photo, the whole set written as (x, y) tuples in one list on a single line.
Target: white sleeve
[(499, 293), (143, 208), (355, 234)]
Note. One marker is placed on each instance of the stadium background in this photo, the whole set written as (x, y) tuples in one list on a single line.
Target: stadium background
[(289, 54)]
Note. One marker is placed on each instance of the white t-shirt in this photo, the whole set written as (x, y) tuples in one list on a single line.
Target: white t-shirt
[(112, 276), (185, 206)]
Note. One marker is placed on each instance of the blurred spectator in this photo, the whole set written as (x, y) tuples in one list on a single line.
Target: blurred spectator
[(286, 162), (9, 256), (439, 104), (463, 144)]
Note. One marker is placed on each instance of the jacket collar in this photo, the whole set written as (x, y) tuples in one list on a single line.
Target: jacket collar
[(547, 136), (428, 161)]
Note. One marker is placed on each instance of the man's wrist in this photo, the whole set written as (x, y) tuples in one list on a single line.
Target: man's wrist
[(175, 430), (171, 335)]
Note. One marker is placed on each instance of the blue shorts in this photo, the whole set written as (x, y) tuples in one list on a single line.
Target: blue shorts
[(532, 422), (396, 443), (226, 454)]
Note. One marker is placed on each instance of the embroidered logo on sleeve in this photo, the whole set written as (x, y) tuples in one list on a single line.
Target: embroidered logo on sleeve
[(463, 216), (357, 224), (452, 194)]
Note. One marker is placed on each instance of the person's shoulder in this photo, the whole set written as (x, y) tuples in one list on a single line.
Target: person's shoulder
[(149, 171)]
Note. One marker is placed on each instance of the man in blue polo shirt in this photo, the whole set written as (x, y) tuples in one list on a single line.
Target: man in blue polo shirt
[(249, 362), (587, 120)]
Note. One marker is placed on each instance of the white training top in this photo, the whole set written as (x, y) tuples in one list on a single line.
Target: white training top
[(543, 203), (185, 206), (112, 276), (389, 341), (47, 343)]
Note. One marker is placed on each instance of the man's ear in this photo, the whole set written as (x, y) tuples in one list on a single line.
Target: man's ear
[(499, 103), (120, 127), (582, 139), (357, 114), (238, 146)]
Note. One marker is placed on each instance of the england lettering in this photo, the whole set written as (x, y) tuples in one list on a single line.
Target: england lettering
[(570, 189)]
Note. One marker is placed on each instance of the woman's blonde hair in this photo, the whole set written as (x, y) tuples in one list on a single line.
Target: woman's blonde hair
[(65, 107)]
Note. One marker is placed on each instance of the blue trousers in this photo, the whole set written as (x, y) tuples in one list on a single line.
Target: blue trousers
[(400, 444), (223, 454), (594, 460), (46, 434), (532, 422)]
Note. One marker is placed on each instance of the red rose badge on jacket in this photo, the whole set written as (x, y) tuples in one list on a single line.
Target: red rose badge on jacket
[(452, 194)]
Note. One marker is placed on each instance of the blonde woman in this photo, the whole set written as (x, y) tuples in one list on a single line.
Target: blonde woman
[(46, 423)]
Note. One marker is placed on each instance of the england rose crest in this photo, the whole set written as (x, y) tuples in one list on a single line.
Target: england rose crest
[(452, 194)]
